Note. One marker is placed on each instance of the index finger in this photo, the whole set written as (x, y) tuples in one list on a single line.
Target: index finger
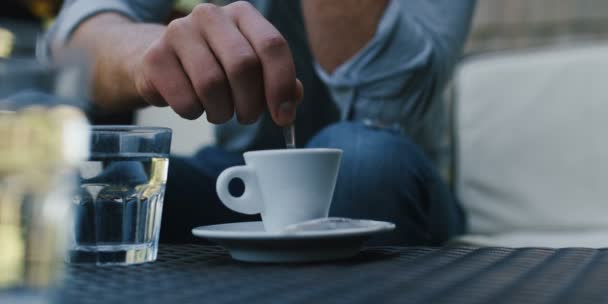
[(280, 84)]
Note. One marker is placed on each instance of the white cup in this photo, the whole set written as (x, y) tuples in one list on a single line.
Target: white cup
[(285, 186)]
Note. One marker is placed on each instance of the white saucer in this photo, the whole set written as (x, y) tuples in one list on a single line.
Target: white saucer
[(249, 242)]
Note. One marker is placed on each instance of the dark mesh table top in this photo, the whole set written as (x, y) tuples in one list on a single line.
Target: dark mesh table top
[(206, 274)]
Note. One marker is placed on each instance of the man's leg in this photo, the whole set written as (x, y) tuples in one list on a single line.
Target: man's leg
[(384, 176), (190, 198)]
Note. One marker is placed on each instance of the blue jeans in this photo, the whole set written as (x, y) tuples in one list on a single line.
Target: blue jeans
[(383, 176)]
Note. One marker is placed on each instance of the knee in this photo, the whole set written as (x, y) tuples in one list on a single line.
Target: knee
[(385, 176), (381, 171), (373, 156)]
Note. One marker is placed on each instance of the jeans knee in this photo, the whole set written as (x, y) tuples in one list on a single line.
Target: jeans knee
[(379, 178), (377, 165), (385, 176), (372, 154)]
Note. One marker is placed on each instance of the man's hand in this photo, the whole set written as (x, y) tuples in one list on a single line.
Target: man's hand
[(218, 60)]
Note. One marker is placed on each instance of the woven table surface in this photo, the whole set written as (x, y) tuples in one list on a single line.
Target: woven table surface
[(207, 274)]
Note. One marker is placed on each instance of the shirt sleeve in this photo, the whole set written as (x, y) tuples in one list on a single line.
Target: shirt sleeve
[(74, 12), (395, 78)]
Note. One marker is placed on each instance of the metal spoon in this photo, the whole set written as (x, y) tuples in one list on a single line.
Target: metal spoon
[(289, 133)]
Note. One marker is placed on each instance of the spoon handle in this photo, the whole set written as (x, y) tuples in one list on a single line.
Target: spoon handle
[(290, 136)]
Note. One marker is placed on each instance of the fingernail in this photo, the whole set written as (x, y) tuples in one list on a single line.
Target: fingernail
[(287, 111)]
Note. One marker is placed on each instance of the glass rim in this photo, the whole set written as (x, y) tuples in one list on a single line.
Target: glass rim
[(117, 129)]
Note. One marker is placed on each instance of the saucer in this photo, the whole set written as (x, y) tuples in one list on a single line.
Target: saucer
[(249, 242)]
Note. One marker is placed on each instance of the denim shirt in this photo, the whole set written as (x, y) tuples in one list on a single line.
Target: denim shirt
[(395, 81)]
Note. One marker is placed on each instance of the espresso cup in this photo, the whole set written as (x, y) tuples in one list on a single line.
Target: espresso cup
[(284, 186)]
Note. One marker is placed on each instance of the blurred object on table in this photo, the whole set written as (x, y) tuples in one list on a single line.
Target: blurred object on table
[(44, 134), (40, 147)]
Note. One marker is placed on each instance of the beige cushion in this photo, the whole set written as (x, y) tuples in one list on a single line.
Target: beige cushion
[(532, 145)]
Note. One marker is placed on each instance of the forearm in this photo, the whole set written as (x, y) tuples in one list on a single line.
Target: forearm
[(114, 44), (337, 30)]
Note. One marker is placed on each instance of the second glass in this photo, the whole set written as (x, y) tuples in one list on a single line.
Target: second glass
[(119, 205)]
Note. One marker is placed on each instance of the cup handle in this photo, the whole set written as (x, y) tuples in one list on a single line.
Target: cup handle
[(251, 200)]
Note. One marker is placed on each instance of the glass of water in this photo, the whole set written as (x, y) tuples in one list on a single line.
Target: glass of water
[(119, 204)]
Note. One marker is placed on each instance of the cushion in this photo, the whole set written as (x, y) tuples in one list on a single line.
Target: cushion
[(531, 143)]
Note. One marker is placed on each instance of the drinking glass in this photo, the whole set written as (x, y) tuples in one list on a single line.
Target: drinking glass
[(119, 203)]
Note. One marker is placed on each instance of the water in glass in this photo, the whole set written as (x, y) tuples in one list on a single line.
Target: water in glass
[(118, 209)]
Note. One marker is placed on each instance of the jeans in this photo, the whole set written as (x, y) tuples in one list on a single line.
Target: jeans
[(383, 176)]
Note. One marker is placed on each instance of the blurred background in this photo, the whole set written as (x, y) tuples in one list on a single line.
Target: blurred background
[(509, 24), (498, 24), (21, 22)]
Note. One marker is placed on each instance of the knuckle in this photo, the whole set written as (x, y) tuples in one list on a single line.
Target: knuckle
[(211, 81), (273, 43), (244, 63), (155, 55), (176, 26), (147, 90), (204, 10), (240, 6)]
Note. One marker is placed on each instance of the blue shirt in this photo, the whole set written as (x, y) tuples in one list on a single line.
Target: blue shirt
[(395, 81)]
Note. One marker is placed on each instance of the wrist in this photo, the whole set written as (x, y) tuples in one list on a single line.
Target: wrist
[(116, 45), (133, 55)]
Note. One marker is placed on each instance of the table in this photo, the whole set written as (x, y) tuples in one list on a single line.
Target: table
[(206, 274)]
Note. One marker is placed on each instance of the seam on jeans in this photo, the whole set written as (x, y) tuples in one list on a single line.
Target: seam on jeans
[(356, 166)]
